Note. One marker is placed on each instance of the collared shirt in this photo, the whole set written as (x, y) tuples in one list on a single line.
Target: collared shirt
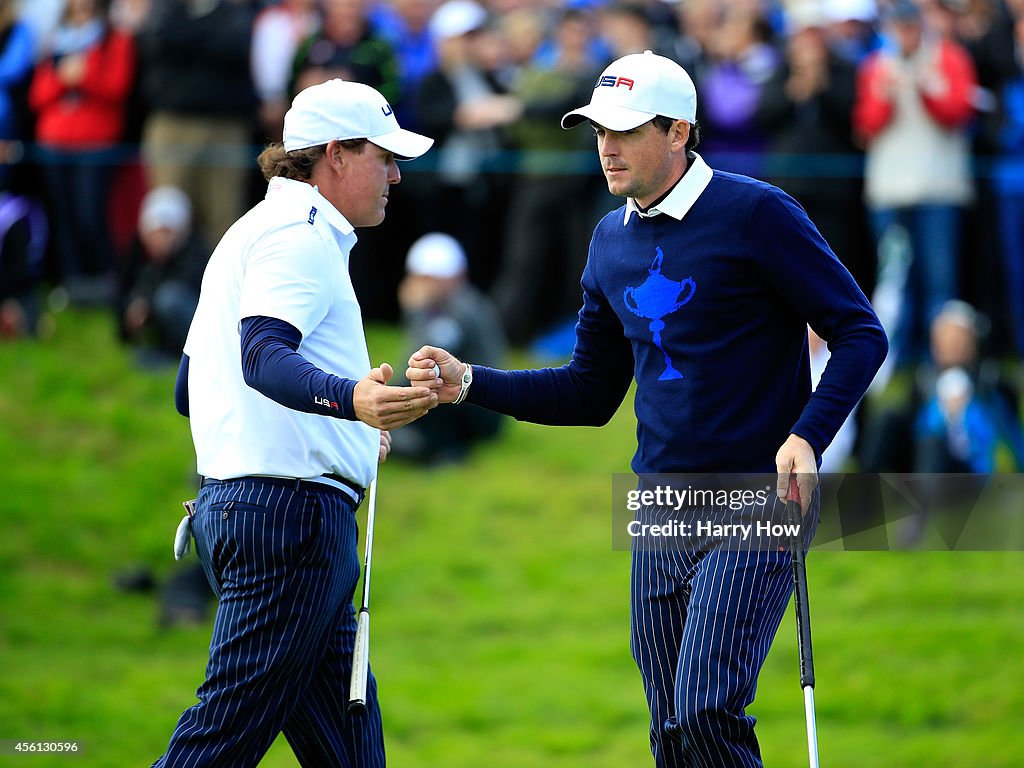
[(681, 198), (286, 258)]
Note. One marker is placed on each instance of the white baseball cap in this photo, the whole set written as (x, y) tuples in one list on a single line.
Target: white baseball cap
[(339, 109), (851, 10), (436, 255), (952, 383), (636, 89), (806, 14), (165, 207), (455, 18)]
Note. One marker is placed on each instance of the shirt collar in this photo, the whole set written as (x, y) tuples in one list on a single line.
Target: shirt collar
[(682, 197), (310, 195)]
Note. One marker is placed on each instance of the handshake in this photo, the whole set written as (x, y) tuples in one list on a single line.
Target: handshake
[(435, 377)]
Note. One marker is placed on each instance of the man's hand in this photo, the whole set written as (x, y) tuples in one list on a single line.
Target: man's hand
[(445, 379), (386, 407), (385, 446), (797, 457)]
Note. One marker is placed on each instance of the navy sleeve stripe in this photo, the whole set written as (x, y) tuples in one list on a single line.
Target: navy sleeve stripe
[(272, 365), (181, 387), (586, 392)]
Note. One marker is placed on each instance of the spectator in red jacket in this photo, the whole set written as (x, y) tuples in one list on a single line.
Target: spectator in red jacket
[(78, 94), (912, 111)]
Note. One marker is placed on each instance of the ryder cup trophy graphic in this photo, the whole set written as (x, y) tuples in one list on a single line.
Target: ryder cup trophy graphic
[(657, 298)]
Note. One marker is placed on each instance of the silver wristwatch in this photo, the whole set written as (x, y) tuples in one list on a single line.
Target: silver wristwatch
[(467, 381)]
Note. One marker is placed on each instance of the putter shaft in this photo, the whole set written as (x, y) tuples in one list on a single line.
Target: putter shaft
[(361, 650), (803, 621)]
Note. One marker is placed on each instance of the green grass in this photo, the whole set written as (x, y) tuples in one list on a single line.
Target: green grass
[(500, 621)]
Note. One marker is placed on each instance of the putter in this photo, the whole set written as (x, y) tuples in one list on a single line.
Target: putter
[(803, 619), (361, 650)]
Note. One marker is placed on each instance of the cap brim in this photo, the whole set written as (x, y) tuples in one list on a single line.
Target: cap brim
[(610, 116), (405, 145)]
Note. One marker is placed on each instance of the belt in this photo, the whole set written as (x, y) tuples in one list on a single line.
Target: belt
[(351, 490)]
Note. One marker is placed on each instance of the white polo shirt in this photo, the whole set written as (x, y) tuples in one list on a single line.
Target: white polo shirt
[(287, 258)]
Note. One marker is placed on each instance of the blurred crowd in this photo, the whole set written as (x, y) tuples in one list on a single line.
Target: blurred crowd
[(129, 129)]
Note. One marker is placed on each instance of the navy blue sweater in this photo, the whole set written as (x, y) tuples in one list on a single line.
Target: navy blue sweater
[(728, 292)]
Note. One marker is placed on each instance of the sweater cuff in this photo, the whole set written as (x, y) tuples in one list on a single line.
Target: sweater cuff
[(343, 391), (814, 438), (482, 388)]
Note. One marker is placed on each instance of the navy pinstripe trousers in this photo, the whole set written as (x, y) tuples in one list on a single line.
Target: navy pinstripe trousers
[(703, 617), (284, 564)]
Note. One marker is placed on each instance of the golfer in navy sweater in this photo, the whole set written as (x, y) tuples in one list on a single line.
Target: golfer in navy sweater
[(701, 288)]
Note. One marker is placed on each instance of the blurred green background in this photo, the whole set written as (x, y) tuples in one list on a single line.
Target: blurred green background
[(500, 618)]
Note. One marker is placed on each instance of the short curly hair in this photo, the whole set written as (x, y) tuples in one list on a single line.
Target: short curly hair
[(299, 163)]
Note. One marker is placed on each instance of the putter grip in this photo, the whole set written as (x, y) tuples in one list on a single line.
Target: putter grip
[(360, 664), (800, 599)]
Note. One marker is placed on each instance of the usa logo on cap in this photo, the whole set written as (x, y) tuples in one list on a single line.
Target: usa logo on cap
[(635, 88), (611, 81)]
